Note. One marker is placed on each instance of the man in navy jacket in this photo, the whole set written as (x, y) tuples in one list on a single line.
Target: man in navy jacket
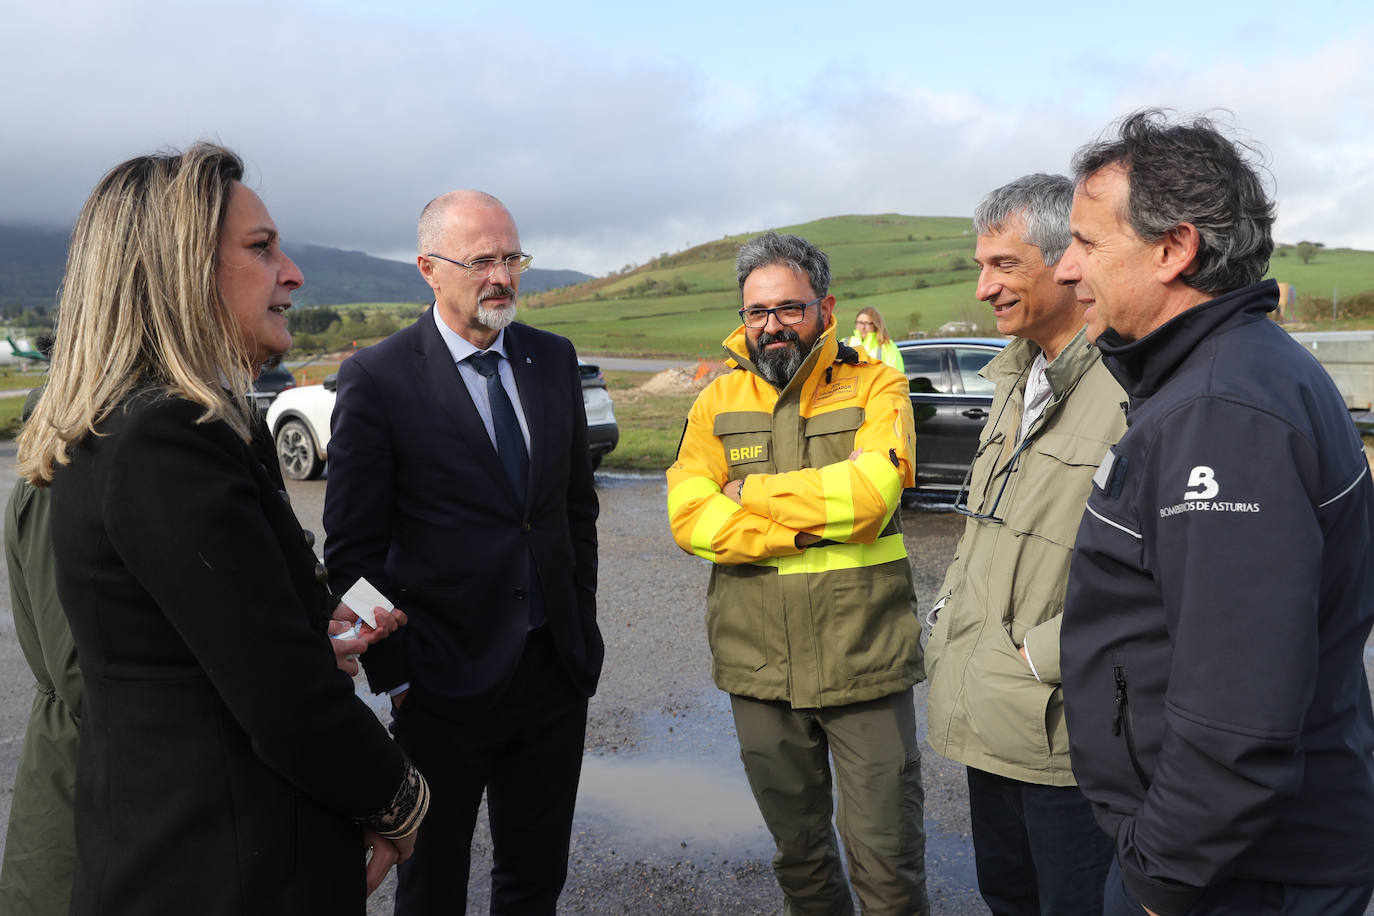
[(1221, 589)]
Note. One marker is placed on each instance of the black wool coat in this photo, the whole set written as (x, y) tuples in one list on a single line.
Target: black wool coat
[(223, 754)]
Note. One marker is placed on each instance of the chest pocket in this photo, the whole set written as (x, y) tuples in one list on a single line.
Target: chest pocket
[(830, 435), (747, 439), (1050, 500)]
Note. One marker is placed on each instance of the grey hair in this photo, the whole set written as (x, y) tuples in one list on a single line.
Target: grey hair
[(789, 250), (1190, 172), (1041, 201)]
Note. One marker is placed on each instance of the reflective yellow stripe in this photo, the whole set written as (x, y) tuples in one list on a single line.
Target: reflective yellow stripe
[(880, 472), (713, 517), (690, 489), (840, 556), (838, 495)]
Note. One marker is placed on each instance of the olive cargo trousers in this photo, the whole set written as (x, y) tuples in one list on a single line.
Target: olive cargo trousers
[(786, 754)]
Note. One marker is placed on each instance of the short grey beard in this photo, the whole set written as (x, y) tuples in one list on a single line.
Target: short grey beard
[(496, 318)]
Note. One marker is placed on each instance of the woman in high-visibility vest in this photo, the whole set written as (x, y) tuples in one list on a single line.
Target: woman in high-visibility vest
[(871, 334)]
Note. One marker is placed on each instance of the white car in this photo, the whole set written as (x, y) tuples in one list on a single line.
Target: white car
[(299, 421)]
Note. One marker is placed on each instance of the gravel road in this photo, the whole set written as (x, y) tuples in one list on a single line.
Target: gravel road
[(665, 822)]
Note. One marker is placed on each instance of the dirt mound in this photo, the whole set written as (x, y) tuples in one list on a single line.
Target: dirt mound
[(683, 380)]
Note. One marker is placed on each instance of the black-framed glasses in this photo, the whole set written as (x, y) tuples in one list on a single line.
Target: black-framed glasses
[(482, 268), (791, 313)]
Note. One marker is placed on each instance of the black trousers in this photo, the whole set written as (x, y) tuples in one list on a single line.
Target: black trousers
[(526, 753), (1038, 849)]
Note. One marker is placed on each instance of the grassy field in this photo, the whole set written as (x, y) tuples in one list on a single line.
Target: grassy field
[(650, 424), (1343, 269), (917, 271)]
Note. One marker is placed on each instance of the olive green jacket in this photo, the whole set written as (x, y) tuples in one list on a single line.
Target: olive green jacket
[(39, 843), (988, 707), (834, 623)]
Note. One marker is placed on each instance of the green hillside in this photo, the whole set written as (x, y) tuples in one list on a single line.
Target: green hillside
[(1347, 270), (917, 271)]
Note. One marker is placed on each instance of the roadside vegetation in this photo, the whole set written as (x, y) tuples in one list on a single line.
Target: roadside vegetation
[(650, 424)]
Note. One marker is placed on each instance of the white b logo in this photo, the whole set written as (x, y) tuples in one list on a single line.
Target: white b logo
[(1205, 480)]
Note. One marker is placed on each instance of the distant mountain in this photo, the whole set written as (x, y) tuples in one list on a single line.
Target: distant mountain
[(32, 260)]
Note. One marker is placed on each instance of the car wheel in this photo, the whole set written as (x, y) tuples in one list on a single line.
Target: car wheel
[(296, 451)]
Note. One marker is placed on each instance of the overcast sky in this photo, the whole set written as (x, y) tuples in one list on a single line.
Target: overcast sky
[(615, 134)]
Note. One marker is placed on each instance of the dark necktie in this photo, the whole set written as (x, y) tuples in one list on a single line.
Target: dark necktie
[(510, 444)]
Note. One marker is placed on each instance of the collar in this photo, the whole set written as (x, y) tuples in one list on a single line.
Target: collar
[(1063, 371), (459, 347), (826, 350), (1143, 366)]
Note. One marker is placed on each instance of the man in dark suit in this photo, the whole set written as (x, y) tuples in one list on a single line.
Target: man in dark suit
[(461, 487)]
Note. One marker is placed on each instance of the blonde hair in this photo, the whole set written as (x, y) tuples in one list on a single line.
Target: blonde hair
[(878, 327), (139, 304)]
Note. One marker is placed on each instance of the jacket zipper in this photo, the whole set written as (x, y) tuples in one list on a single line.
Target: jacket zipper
[(1122, 718)]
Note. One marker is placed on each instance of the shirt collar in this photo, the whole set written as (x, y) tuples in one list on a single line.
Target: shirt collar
[(459, 347)]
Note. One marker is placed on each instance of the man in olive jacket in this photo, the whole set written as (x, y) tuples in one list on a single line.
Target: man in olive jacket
[(788, 479), (996, 704)]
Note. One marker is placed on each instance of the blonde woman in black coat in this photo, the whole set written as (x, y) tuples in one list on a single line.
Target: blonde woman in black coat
[(225, 764)]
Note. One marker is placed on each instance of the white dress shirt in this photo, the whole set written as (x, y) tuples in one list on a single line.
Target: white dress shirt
[(460, 349)]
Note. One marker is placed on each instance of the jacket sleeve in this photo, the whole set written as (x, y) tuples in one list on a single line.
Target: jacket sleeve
[(704, 521), (848, 501), (185, 515), (583, 505), (1243, 625), (359, 505)]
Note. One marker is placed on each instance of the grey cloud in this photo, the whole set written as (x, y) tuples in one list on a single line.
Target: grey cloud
[(352, 123)]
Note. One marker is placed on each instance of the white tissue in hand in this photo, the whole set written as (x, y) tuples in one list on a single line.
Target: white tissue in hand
[(362, 598)]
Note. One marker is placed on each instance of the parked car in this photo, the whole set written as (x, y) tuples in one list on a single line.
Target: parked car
[(299, 421), (950, 401), (269, 384), (602, 432)]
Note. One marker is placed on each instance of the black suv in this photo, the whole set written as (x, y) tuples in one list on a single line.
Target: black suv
[(950, 401)]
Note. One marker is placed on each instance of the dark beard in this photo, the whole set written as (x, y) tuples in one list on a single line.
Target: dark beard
[(778, 366)]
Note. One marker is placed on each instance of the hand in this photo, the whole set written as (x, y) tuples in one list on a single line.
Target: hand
[(384, 855), (805, 539), (1024, 657), (733, 489), (854, 455), (346, 651), (388, 622), (397, 700)]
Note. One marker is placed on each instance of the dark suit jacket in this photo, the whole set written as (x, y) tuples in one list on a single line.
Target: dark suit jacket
[(222, 753), (418, 503)]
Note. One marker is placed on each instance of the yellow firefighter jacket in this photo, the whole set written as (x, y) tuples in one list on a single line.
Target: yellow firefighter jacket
[(834, 623)]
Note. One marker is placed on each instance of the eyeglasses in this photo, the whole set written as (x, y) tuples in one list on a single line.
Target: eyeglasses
[(482, 268), (961, 500), (792, 313)]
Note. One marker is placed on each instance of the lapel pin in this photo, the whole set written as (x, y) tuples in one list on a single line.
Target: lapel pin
[(528, 360)]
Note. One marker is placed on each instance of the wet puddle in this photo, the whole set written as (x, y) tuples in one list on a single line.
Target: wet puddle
[(690, 799)]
